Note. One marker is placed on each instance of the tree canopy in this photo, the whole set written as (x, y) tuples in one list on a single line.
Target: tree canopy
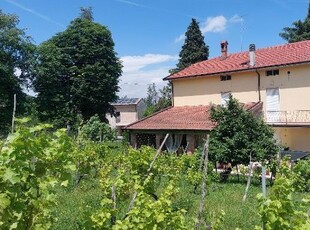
[(194, 48), (156, 101), (87, 13), (16, 62), (239, 134), (300, 30), (78, 73)]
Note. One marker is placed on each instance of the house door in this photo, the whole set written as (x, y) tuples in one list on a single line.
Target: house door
[(273, 105)]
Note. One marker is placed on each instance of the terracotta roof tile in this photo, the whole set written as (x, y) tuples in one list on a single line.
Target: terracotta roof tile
[(291, 53), (181, 118)]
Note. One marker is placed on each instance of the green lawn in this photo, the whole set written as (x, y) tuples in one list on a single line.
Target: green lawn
[(75, 205)]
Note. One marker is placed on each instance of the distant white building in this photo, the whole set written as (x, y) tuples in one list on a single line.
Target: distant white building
[(127, 111)]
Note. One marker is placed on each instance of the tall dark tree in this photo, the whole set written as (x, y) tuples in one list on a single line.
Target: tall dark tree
[(16, 61), (194, 48), (300, 30), (78, 73)]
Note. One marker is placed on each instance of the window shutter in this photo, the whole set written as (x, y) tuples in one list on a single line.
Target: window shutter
[(273, 99)]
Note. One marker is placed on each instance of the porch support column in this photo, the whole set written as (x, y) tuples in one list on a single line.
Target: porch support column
[(133, 140), (190, 139), (158, 138)]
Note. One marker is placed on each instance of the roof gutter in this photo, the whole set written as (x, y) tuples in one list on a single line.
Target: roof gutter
[(235, 71)]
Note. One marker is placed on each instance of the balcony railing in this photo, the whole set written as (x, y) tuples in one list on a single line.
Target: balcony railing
[(301, 117)]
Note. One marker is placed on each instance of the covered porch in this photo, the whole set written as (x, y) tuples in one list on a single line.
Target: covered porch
[(294, 137), (177, 142), (187, 127)]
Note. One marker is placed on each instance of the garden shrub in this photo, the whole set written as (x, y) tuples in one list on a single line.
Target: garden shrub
[(96, 130), (302, 171), (281, 210)]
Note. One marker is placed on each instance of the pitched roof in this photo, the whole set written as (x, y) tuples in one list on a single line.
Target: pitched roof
[(288, 54), (127, 101), (183, 118)]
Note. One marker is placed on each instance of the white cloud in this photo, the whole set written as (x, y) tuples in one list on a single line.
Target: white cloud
[(236, 18), (17, 72), (180, 38), (215, 24), (140, 71), (134, 63)]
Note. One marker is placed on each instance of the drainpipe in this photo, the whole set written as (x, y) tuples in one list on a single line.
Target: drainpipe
[(172, 93), (258, 85)]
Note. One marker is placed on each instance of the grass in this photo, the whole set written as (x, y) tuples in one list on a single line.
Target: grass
[(75, 205), (228, 197)]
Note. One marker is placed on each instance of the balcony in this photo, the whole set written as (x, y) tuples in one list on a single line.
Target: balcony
[(296, 117)]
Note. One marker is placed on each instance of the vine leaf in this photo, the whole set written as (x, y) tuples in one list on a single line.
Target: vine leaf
[(4, 201), (11, 176)]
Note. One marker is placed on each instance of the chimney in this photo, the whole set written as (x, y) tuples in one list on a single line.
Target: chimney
[(252, 55), (224, 49)]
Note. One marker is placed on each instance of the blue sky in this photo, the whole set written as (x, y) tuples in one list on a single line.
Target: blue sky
[(148, 34)]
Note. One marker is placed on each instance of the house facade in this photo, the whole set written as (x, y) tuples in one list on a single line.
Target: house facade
[(277, 77)]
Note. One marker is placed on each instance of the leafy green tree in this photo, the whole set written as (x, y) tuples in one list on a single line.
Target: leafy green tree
[(152, 95), (194, 48), (157, 101), (165, 98), (96, 130), (77, 73), (16, 55), (239, 134), (300, 30)]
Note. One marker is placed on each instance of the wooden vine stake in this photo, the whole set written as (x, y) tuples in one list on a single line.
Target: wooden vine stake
[(249, 180), (13, 116), (113, 197), (148, 171), (203, 183)]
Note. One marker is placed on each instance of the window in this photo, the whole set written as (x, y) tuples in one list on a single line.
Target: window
[(273, 105), (225, 97), (272, 72), (225, 77)]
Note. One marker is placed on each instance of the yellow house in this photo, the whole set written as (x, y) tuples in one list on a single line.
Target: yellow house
[(277, 77)]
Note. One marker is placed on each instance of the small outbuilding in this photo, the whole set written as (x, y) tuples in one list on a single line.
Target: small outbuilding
[(127, 110)]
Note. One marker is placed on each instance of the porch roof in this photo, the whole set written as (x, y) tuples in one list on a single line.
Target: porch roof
[(190, 118)]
